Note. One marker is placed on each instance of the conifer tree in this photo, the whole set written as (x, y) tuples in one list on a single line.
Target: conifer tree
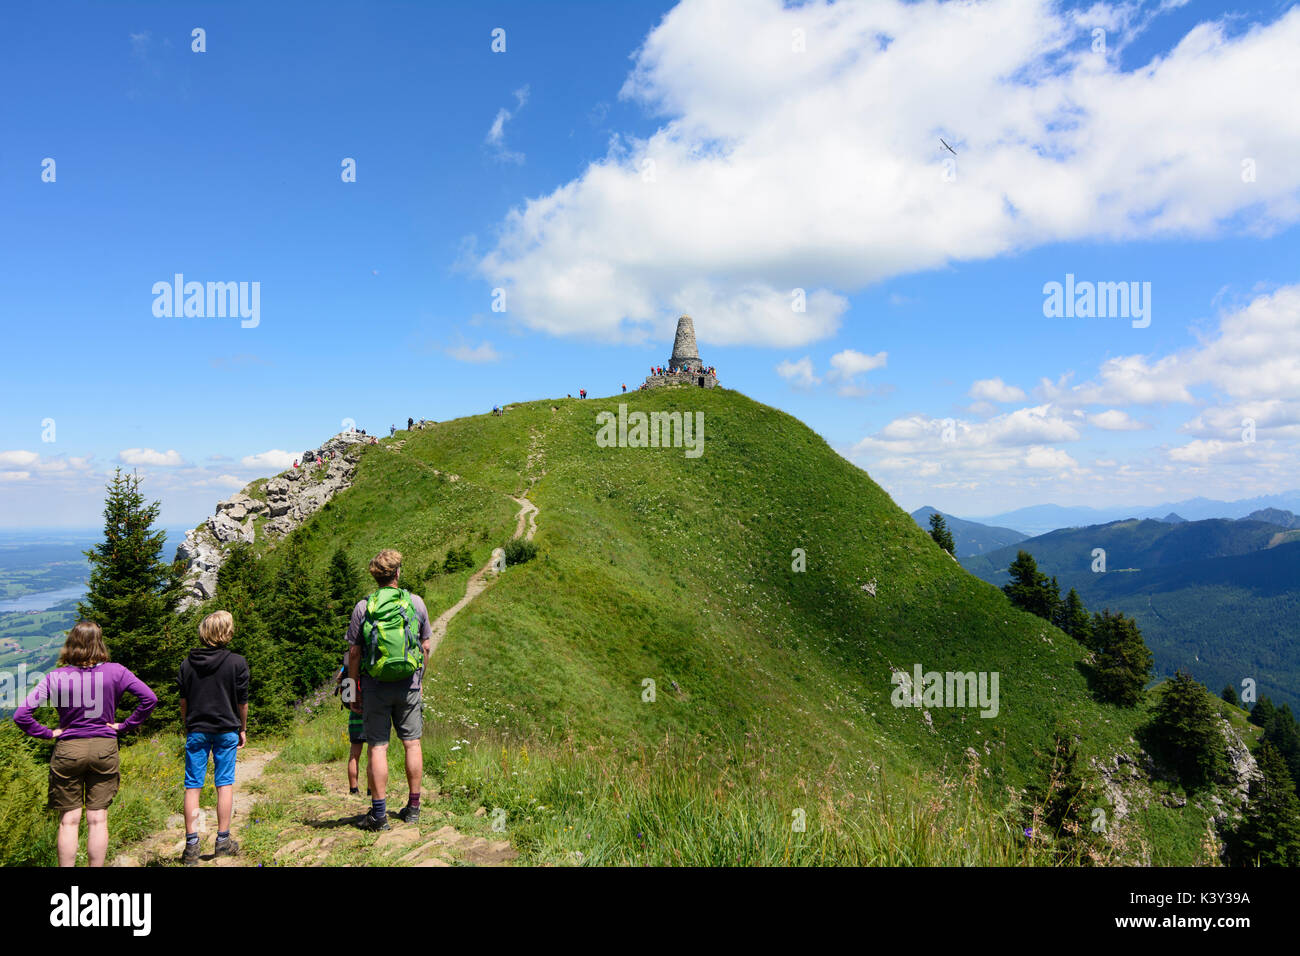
[(1262, 712), (1284, 734), (1029, 589), (241, 585), (301, 625), (133, 594), (1123, 662), (940, 533), (1269, 832), (1186, 725), (1074, 618), (344, 586), (1230, 695)]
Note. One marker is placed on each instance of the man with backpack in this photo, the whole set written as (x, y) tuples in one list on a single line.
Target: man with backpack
[(389, 640)]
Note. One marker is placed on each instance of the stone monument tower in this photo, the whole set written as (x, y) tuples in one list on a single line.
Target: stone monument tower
[(686, 359), (686, 354)]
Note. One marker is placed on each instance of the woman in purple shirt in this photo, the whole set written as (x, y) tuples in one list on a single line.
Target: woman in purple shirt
[(84, 689)]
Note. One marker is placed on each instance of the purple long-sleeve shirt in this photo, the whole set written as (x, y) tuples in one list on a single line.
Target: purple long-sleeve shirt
[(86, 699)]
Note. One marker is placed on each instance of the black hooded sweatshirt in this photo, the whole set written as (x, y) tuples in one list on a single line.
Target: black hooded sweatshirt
[(213, 682)]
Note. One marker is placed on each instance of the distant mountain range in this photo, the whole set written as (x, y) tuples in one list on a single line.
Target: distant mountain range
[(1217, 597), (970, 537), (1040, 519)]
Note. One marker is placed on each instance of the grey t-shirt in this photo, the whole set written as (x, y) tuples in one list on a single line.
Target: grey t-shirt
[(426, 634)]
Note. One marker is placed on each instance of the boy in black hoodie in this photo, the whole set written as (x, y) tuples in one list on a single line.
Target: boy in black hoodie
[(213, 685)]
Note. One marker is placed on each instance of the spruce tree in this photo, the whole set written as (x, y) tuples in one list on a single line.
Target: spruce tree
[(344, 586), (301, 626), (1262, 712), (940, 533), (241, 585), (1029, 589), (1186, 726), (1230, 695), (133, 594), (1074, 618), (1284, 734), (1269, 832), (1123, 662)]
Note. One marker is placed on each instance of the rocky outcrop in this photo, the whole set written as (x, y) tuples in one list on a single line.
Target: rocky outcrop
[(289, 499)]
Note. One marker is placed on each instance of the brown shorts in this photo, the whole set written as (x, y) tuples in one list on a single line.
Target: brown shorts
[(83, 771)]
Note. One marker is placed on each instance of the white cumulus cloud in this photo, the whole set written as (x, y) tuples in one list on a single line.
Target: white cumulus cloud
[(776, 168), (272, 460), (147, 456)]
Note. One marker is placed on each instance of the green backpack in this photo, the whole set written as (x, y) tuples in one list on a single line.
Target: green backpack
[(391, 632)]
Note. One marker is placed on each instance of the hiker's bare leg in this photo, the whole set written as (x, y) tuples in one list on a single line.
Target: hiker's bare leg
[(354, 761), (414, 764), (69, 833), (97, 836), (378, 770), (225, 807), (192, 818), (370, 774)]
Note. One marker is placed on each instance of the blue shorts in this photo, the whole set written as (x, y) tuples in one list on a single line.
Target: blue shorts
[(223, 748)]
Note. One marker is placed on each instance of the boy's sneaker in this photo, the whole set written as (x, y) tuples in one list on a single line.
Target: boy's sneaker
[(373, 823), (191, 855), (226, 847), (409, 814)]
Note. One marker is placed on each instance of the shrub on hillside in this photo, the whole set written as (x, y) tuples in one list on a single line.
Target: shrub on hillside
[(27, 830), (458, 559), (1186, 727), (519, 550)]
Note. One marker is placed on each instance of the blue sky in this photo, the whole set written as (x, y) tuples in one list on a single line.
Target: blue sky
[(619, 164)]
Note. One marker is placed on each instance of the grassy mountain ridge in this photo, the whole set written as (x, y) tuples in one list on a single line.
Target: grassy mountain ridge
[(658, 567)]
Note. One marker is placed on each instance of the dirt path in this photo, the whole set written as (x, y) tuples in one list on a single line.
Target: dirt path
[(318, 795), (168, 843), (478, 582)]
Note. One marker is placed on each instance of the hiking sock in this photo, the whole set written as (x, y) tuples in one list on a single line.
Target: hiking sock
[(223, 836), (191, 839), (413, 801), (379, 808)]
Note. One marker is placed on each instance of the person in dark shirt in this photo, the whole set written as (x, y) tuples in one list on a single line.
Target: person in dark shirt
[(213, 686)]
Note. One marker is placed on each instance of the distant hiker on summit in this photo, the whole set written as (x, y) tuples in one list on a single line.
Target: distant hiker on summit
[(390, 640)]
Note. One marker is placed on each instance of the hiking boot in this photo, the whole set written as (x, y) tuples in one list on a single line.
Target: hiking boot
[(373, 823), (226, 847), (409, 814), (191, 855)]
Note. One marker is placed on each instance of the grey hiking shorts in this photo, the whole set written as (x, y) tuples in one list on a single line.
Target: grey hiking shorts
[(388, 705)]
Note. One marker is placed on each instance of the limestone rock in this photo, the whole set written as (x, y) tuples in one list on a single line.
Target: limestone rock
[(291, 498)]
